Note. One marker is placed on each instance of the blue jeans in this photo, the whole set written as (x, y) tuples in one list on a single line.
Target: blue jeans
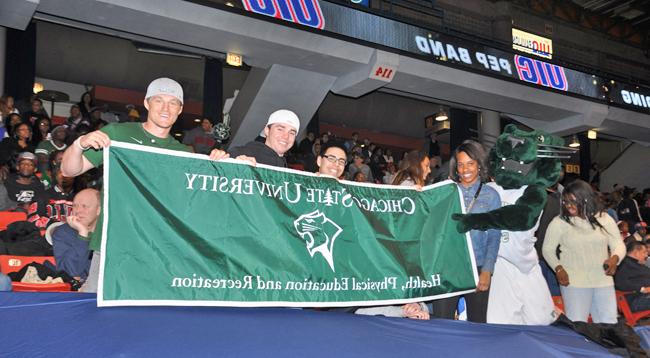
[(599, 302)]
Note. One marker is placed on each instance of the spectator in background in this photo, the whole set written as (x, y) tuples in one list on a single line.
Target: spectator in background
[(359, 177), (86, 104), (352, 142), (7, 106), (25, 189), (20, 141), (434, 146), (76, 118), (10, 123), (95, 116), (311, 158), (586, 236), (358, 166), (305, 146), (57, 141), (390, 173), (70, 240), (200, 138), (640, 232), (41, 131), (59, 196), (415, 173), (132, 114), (325, 137), (388, 156), (624, 230), (634, 276), (377, 163), (628, 208), (37, 112), (280, 134)]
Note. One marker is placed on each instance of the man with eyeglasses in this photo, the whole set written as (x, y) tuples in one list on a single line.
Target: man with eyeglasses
[(332, 161), (164, 103)]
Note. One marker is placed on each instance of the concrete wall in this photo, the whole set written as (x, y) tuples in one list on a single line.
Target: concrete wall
[(632, 168)]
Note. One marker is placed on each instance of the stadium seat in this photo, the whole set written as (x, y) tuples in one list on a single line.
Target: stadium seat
[(8, 217), (10, 263), (557, 301), (630, 317)]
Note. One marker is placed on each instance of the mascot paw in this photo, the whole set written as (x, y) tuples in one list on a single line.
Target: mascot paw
[(463, 222)]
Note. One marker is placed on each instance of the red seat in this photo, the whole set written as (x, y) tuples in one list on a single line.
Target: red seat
[(557, 301), (10, 263), (8, 217), (630, 317)]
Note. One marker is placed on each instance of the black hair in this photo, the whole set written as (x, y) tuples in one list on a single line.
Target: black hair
[(474, 150), (586, 202), (331, 144), (633, 245)]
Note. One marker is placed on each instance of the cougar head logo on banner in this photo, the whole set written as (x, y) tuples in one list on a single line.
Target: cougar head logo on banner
[(319, 233)]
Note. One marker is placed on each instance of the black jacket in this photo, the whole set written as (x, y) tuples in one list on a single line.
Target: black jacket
[(262, 153), (631, 275)]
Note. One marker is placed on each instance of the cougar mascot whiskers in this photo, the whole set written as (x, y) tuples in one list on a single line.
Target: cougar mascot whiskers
[(523, 164)]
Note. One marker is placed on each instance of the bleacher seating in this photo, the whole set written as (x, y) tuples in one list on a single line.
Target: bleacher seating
[(630, 317)]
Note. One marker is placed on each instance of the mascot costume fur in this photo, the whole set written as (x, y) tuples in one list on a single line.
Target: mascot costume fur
[(523, 164)]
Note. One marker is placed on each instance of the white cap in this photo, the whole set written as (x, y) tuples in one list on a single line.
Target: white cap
[(166, 86), (284, 116)]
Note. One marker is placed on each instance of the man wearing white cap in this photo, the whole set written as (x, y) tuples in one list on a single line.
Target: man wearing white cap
[(164, 103), (280, 131)]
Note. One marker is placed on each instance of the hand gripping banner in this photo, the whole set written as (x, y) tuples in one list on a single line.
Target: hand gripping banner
[(180, 229)]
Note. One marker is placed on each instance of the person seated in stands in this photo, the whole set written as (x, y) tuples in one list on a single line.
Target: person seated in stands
[(59, 196), (624, 230), (45, 147), (280, 132), (358, 166), (10, 122), (70, 240), (76, 118), (201, 138), (37, 112), (26, 189), (640, 232), (633, 275), (10, 147), (307, 143), (41, 131), (311, 158)]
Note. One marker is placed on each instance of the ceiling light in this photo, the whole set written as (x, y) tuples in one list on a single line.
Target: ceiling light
[(575, 143), (592, 134), (234, 59), (38, 87), (441, 116)]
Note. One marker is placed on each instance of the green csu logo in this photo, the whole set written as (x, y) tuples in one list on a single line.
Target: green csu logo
[(319, 233)]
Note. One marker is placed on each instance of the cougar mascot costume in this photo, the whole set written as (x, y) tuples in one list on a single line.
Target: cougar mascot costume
[(523, 165)]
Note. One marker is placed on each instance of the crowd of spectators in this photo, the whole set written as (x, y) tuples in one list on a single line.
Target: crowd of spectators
[(31, 181)]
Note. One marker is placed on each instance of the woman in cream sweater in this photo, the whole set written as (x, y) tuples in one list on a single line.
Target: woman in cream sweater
[(584, 268)]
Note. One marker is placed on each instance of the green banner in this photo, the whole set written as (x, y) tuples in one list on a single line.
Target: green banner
[(181, 229)]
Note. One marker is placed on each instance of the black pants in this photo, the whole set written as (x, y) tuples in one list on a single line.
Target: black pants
[(475, 305)]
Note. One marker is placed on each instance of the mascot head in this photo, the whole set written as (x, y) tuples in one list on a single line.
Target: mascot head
[(527, 158)]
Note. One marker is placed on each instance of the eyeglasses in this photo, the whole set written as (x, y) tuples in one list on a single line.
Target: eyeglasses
[(332, 159)]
